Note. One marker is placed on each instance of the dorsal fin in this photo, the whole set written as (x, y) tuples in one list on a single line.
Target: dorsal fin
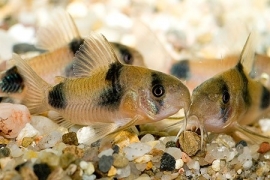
[(57, 32), (247, 56), (95, 52)]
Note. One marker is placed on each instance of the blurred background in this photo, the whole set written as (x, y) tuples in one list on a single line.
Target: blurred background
[(161, 30)]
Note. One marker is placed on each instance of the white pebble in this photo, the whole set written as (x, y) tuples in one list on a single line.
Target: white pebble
[(123, 172), (147, 138), (179, 163), (84, 134), (50, 140), (141, 166), (27, 131), (13, 118), (193, 165), (15, 151), (43, 124), (143, 177), (107, 152), (83, 165), (166, 177), (216, 165), (175, 152), (144, 159), (247, 164), (71, 169), (135, 150), (239, 171), (90, 169)]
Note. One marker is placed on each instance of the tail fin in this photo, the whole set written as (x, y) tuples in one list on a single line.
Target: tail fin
[(35, 98)]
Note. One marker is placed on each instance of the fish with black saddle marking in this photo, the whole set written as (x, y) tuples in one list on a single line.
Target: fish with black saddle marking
[(230, 100), (61, 38), (105, 93)]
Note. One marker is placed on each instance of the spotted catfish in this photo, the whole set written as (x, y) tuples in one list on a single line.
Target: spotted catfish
[(230, 100), (105, 93), (61, 38)]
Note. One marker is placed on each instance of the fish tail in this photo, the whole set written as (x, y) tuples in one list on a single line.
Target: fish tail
[(36, 87)]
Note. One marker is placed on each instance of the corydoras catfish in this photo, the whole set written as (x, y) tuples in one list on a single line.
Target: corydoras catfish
[(105, 93), (230, 100), (61, 38), (196, 71)]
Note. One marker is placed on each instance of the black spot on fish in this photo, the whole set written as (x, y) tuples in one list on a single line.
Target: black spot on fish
[(111, 96), (126, 55), (265, 98), (75, 44), (56, 97), (12, 81), (245, 91), (181, 69)]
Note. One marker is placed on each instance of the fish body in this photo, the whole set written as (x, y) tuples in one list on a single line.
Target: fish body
[(195, 72), (62, 40), (230, 100), (105, 90)]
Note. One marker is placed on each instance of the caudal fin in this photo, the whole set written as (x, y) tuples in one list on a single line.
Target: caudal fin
[(34, 98)]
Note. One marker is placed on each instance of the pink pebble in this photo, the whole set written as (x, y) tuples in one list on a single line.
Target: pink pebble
[(13, 118)]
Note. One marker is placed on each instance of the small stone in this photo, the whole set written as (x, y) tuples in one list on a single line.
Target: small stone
[(120, 161), (91, 154), (135, 150), (78, 152), (175, 152), (49, 158), (42, 171), (149, 165), (13, 119), (242, 142), (143, 177), (71, 169), (216, 165), (123, 172), (179, 163), (4, 152), (43, 125), (105, 163), (147, 138), (83, 165), (15, 151), (143, 159), (89, 177), (167, 162), (190, 142), (66, 159), (90, 169), (116, 149), (112, 171), (27, 141), (185, 157), (50, 140), (70, 138), (171, 144), (28, 131), (57, 174), (125, 138), (264, 147)]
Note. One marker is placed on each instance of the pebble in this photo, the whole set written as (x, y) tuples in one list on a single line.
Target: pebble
[(58, 174), (78, 152), (120, 161), (70, 170), (147, 138), (112, 171), (90, 169), (15, 151), (264, 147), (28, 131), (175, 152), (28, 174), (116, 149), (13, 119), (179, 163), (4, 152), (42, 171), (143, 159), (27, 141), (167, 162), (170, 144), (66, 159), (123, 172), (50, 140), (216, 165), (49, 158), (105, 163), (70, 138), (190, 142), (125, 138), (43, 125), (136, 150), (87, 177)]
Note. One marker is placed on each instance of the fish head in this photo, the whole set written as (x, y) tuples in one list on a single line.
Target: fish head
[(161, 96), (219, 102)]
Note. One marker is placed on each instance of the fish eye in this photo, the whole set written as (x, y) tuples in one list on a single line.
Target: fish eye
[(127, 57), (158, 90), (225, 97)]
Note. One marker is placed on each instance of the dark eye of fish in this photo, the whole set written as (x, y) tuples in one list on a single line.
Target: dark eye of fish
[(225, 97), (127, 57), (158, 90)]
